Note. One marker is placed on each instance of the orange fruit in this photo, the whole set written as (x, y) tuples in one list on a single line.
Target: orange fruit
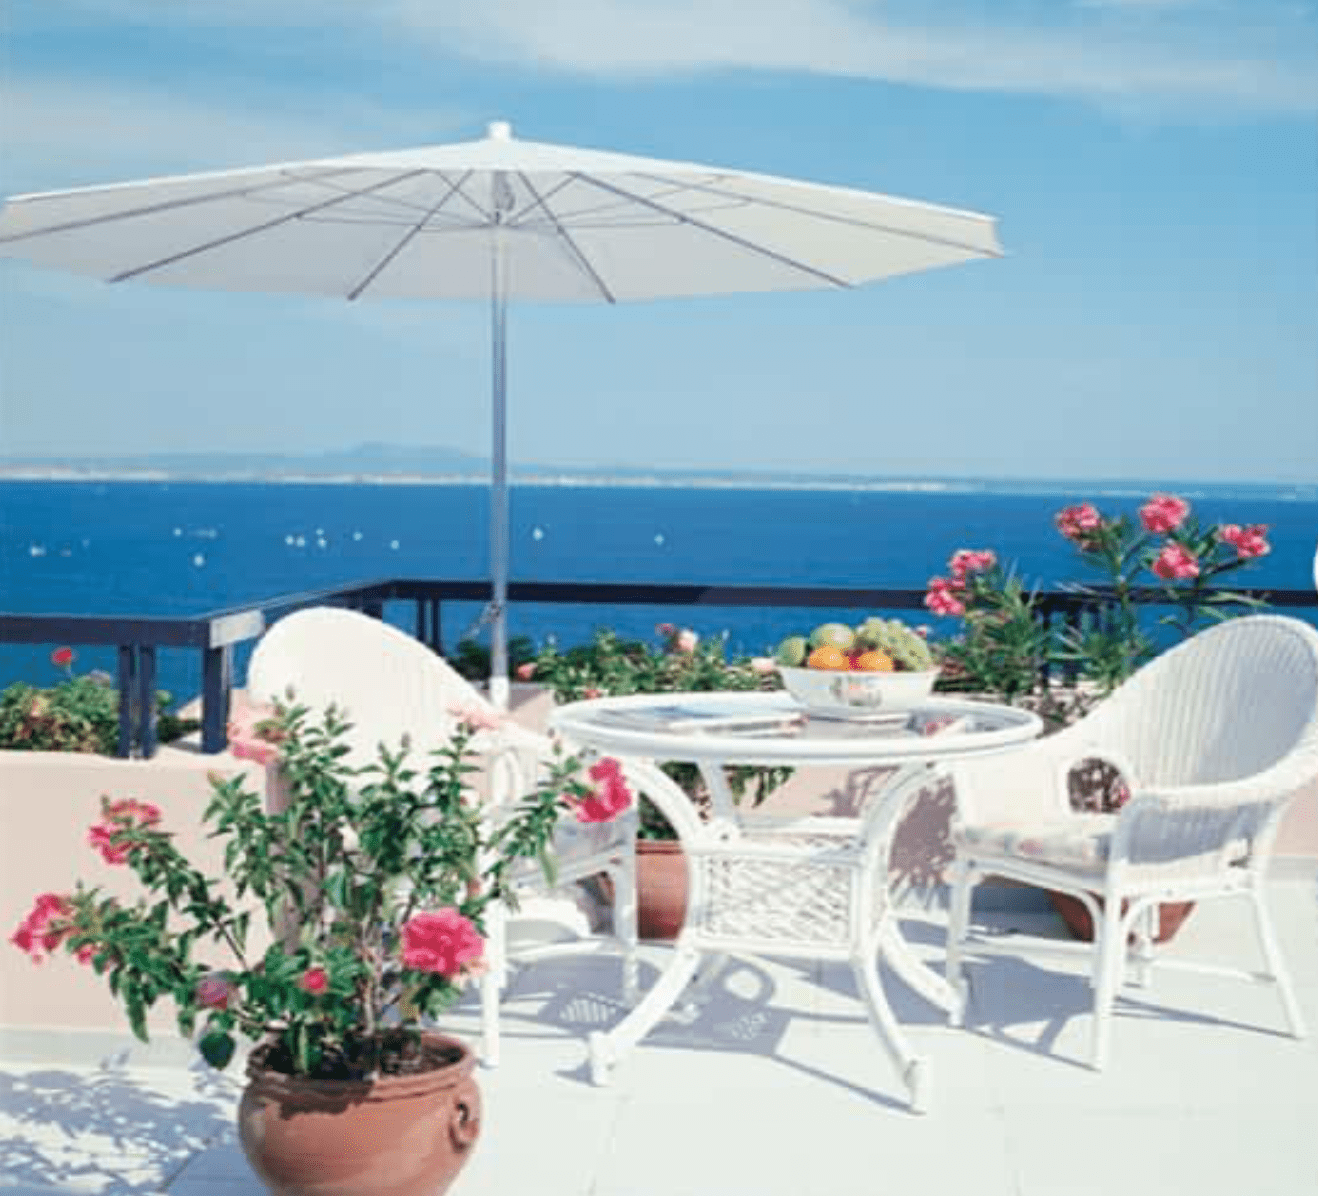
[(827, 657), (874, 661)]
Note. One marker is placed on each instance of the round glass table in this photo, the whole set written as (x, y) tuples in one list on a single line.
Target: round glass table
[(812, 887)]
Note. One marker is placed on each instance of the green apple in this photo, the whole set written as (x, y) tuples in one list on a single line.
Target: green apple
[(838, 635), (792, 651)]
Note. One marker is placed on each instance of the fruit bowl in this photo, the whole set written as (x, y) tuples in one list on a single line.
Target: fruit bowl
[(842, 694)]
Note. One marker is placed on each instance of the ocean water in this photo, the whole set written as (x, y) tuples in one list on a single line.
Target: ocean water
[(164, 548)]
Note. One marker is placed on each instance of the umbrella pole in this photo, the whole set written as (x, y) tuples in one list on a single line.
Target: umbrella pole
[(499, 520)]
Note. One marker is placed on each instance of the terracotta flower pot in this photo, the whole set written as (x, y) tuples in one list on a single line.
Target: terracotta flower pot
[(1170, 916), (406, 1135), (660, 888)]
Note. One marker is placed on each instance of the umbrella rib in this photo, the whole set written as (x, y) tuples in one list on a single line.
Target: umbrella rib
[(714, 230), (798, 210), (405, 240), (164, 206), (251, 231), (566, 238)]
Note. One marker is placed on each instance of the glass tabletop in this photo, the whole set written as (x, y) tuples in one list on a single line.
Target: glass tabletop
[(771, 727)]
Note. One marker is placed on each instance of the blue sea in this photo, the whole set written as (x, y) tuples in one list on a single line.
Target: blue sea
[(166, 548)]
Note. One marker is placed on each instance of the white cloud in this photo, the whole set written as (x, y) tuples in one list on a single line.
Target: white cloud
[(65, 132), (1165, 52)]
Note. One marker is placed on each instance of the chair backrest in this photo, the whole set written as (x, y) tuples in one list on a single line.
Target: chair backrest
[(1225, 704), (388, 684)]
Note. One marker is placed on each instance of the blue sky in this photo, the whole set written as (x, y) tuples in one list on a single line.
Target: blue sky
[(1153, 165)]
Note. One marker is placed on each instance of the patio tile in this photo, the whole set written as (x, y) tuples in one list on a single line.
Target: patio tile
[(778, 1086), (1138, 1153)]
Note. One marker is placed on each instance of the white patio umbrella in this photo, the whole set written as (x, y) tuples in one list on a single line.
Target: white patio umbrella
[(496, 219)]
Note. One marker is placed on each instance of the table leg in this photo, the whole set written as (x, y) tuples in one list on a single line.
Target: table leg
[(912, 1068), (606, 1050), (928, 983)]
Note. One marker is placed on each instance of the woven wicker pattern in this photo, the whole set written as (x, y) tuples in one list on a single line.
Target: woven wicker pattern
[(805, 900)]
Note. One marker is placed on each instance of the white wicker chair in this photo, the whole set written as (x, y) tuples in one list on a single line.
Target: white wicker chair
[(390, 685), (1212, 738)]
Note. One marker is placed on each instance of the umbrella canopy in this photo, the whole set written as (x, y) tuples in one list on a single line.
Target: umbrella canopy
[(496, 218)]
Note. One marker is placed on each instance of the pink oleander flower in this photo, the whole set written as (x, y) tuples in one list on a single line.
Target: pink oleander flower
[(592, 692), (965, 561), (1248, 541), (526, 671), (45, 926), (608, 799), (215, 991), (1164, 513), (942, 599), (763, 664), (476, 718), (665, 631), (685, 640), (314, 981), (255, 734), (119, 816), (1175, 563), (443, 941), (1078, 522), (62, 658)]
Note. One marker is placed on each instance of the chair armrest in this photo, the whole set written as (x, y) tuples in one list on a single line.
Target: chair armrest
[(1235, 819)]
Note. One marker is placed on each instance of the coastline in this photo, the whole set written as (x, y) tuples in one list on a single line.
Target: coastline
[(1101, 488)]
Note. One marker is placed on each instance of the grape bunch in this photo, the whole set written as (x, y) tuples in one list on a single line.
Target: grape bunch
[(908, 650)]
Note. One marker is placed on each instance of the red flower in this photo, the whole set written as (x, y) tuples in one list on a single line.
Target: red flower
[(1077, 523), (61, 658), (966, 561), (314, 981), (120, 816), (1248, 541), (45, 927), (1164, 513), (214, 991), (443, 942), (608, 799), (1175, 562), (942, 599)]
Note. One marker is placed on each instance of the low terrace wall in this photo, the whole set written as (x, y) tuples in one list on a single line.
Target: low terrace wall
[(49, 800)]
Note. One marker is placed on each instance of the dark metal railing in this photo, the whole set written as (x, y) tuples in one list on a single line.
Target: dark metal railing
[(216, 635)]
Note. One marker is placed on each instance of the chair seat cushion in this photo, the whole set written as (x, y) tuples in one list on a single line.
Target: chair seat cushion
[(1083, 840)]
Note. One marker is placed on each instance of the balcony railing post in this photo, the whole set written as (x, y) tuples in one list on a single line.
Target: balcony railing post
[(216, 697), (127, 683), (146, 700)]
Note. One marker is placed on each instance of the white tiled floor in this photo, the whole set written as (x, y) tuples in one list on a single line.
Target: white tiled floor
[(778, 1089)]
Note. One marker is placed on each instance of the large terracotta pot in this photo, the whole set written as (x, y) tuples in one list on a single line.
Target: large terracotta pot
[(660, 888), (403, 1135), (1170, 916)]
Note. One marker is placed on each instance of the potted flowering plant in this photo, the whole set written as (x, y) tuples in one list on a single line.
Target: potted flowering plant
[(374, 882)]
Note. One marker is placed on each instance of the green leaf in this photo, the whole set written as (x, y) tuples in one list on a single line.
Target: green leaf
[(217, 1048)]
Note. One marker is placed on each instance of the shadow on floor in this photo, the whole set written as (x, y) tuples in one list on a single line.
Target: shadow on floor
[(106, 1132)]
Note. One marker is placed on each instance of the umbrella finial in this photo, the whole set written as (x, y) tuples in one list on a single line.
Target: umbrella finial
[(499, 130)]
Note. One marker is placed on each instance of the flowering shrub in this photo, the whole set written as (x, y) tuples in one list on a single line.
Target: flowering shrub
[(610, 665), (373, 881), (1163, 555), (1003, 646), (78, 714)]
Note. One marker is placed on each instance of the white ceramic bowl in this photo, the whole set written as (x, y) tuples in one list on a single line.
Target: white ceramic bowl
[(840, 694)]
